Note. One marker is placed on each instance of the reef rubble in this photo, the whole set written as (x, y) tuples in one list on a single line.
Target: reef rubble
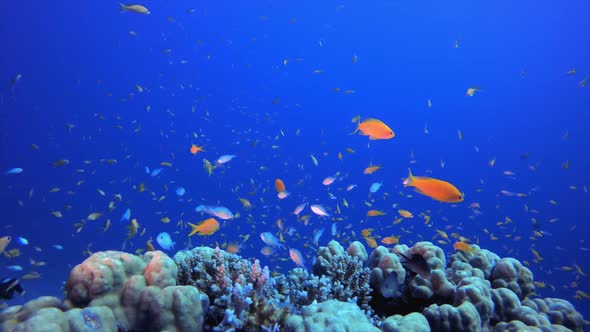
[(403, 288)]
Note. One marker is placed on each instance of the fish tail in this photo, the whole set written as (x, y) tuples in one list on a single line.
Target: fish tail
[(409, 180), (123, 7), (356, 120)]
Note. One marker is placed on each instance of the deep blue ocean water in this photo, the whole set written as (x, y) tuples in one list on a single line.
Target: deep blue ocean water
[(242, 77)]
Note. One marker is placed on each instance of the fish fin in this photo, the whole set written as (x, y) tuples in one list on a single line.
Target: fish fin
[(123, 7), (409, 180), (356, 120), (404, 256), (194, 227)]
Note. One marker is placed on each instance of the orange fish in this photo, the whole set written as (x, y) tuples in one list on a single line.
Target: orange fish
[(196, 149), (279, 185), (206, 227), (436, 189), (367, 232), (462, 246), (373, 128), (390, 240), (405, 213), (375, 213), (371, 242), (371, 169), (232, 248)]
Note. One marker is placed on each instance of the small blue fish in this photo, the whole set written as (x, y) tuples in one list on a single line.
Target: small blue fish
[(156, 171), (14, 267), (147, 170), (126, 215), (23, 241), (180, 191), (334, 229), (318, 235), (271, 240), (58, 247), (375, 187), (165, 241), (16, 170)]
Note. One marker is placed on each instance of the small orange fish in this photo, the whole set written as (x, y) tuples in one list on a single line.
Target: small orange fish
[(373, 128), (390, 240), (375, 213), (462, 246), (367, 232), (233, 248), (206, 227), (196, 149), (371, 242), (279, 185), (371, 169), (405, 213), (436, 189)]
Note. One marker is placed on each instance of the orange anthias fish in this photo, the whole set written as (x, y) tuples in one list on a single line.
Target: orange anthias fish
[(390, 240), (233, 248), (405, 213), (373, 128), (375, 213), (462, 246), (367, 232), (436, 189), (279, 185), (196, 149), (371, 169), (371, 242), (206, 227)]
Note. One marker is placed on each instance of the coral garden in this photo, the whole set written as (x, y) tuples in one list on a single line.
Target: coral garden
[(204, 289)]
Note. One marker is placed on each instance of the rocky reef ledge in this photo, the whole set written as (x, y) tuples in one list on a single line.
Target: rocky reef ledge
[(400, 289)]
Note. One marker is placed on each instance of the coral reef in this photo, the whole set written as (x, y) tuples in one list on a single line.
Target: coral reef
[(342, 273), (509, 273), (205, 289), (242, 294), (415, 322), (113, 291), (50, 314), (330, 315)]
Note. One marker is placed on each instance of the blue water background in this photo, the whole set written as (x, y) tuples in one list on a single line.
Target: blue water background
[(80, 64)]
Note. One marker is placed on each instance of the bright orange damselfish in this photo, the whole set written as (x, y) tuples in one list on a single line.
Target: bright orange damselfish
[(373, 128), (436, 189), (196, 149), (206, 227), (279, 185)]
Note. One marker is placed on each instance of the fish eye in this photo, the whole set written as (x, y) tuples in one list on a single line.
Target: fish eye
[(459, 196)]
